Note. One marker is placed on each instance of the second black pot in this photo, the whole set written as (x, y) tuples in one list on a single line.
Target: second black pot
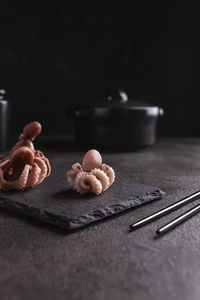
[(117, 123)]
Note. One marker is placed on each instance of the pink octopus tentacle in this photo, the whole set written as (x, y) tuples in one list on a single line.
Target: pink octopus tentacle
[(33, 176), (87, 183), (48, 165), (23, 178), (110, 173), (42, 165), (4, 163), (102, 176), (39, 153), (71, 174), (20, 183)]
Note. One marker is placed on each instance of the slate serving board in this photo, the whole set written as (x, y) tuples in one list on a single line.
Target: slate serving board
[(56, 203)]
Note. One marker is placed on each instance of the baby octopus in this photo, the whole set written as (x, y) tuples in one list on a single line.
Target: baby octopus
[(24, 166), (92, 176)]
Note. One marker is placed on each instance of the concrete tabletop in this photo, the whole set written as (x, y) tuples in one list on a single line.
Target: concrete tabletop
[(105, 261)]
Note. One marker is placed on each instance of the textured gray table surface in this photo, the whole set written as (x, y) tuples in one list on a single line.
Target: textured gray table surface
[(105, 261)]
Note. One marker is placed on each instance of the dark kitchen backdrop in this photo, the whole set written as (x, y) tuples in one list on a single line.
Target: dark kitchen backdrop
[(54, 56)]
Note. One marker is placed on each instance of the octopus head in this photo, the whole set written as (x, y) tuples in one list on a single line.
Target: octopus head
[(21, 157), (17, 161), (91, 160), (31, 131)]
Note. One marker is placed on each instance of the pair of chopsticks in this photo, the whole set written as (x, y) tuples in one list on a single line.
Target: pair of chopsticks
[(167, 210)]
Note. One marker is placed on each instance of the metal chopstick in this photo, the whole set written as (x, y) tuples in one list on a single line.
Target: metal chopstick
[(178, 220), (166, 210)]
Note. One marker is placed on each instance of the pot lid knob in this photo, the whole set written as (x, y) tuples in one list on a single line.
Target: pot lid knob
[(117, 96)]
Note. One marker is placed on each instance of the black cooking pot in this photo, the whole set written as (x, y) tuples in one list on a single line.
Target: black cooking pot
[(115, 123)]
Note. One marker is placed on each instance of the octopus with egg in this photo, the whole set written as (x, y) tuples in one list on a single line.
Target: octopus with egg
[(92, 176), (24, 166)]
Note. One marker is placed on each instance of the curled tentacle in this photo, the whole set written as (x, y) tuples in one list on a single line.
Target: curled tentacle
[(4, 163), (110, 173), (45, 159), (33, 177), (71, 174), (77, 168), (87, 183), (39, 153), (41, 164), (20, 183), (23, 178), (102, 176)]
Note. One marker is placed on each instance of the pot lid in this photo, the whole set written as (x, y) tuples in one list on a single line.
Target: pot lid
[(115, 100), (118, 99)]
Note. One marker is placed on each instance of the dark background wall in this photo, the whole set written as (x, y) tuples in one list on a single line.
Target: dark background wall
[(54, 56)]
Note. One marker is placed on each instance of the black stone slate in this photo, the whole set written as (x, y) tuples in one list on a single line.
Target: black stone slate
[(56, 203)]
